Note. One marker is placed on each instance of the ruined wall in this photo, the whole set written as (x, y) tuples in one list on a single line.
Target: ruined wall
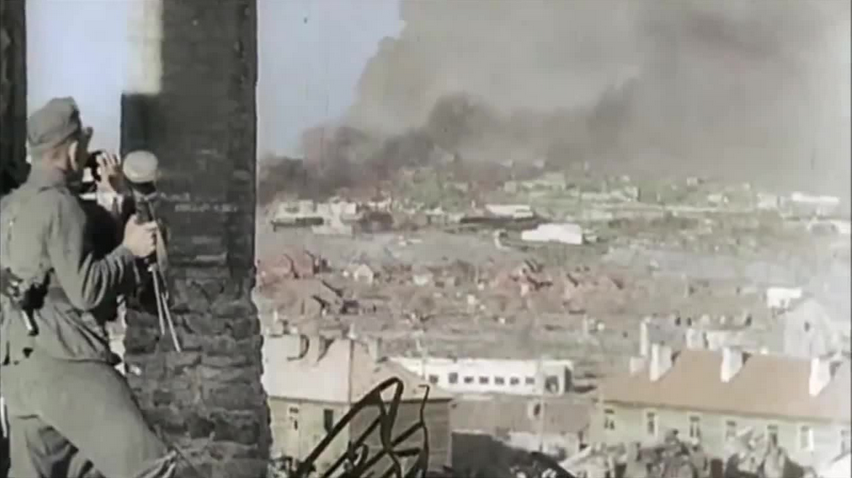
[(13, 93), (299, 426), (200, 122)]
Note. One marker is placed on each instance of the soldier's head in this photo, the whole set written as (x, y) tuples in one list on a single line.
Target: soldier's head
[(57, 138)]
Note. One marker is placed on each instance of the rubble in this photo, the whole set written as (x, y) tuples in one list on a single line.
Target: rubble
[(567, 233), (295, 264), (335, 217), (671, 458), (755, 454), (362, 273), (423, 277), (826, 227), (780, 298), (513, 211)]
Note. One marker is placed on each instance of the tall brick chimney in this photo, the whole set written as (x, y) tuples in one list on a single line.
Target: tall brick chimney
[(190, 100)]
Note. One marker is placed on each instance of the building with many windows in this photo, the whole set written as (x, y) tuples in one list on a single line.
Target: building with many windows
[(710, 397), (478, 376)]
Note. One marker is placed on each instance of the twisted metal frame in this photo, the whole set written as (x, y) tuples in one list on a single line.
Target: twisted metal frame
[(359, 461)]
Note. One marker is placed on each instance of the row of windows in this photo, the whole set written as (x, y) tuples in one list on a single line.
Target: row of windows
[(327, 418), (806, 433), (453, 379)]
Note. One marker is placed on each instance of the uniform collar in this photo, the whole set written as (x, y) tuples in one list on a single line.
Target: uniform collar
[(45, 176)]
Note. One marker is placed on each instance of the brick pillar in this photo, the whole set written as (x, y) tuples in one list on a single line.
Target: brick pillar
[(13, 114), (13, 94), (191, 100)]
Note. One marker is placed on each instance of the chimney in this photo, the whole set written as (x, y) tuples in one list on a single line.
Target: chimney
[(732, 362), (661, 361), (637, 364), (317, 346), (374, 347), (644, 340), (820, 375), (695, 339)]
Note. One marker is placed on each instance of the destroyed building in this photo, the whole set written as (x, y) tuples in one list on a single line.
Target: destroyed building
[(556, 426), (810, 330), (314, 381)]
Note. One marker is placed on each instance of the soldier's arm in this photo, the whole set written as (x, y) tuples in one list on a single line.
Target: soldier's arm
[(86, 281)]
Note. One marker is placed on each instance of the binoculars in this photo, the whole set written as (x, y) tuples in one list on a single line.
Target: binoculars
[(92, 164)]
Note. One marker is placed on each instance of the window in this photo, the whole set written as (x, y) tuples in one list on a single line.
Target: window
[(609, 419), (772, 434), (806, 438), (845, 440), (651, 423), (514, 381), (293, 417), (468, 380), (695, 427), (484, 380), (453, 378), (433, 379), (328, 419), (530, 380), (499, 381), (536, 410), (551, 384), (730, 429)]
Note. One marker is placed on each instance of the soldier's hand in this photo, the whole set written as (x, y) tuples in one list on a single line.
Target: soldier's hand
[(110, 172), (140, 239)]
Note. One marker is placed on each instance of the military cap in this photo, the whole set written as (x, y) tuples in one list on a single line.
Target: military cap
[(55, 122)]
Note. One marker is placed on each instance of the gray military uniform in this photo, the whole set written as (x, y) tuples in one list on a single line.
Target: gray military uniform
[(71, 413)]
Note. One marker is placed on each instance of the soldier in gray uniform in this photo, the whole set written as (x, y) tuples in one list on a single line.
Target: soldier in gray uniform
[(71, 414)]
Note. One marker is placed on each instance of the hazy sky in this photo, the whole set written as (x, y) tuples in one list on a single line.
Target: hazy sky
[(311, 55)]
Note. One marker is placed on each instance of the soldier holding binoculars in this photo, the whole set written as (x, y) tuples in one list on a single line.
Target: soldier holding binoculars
[(71, 414)]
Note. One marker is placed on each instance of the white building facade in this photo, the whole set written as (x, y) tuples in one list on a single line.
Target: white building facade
[(485, 376)]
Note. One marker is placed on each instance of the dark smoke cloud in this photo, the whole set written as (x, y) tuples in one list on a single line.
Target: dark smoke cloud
[(750, 89)]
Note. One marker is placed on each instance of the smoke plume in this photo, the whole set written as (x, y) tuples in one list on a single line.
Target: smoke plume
[(749, 90)]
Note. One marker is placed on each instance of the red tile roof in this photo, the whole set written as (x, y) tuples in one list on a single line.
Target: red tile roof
[(766, 385)]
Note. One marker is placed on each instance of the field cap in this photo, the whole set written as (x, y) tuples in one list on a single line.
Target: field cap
[(55, 122)]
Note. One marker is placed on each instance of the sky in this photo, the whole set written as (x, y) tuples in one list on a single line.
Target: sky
[(311, 55)]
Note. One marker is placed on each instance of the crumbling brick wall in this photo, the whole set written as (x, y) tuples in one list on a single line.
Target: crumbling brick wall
[(208, 400), (13, 93)]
